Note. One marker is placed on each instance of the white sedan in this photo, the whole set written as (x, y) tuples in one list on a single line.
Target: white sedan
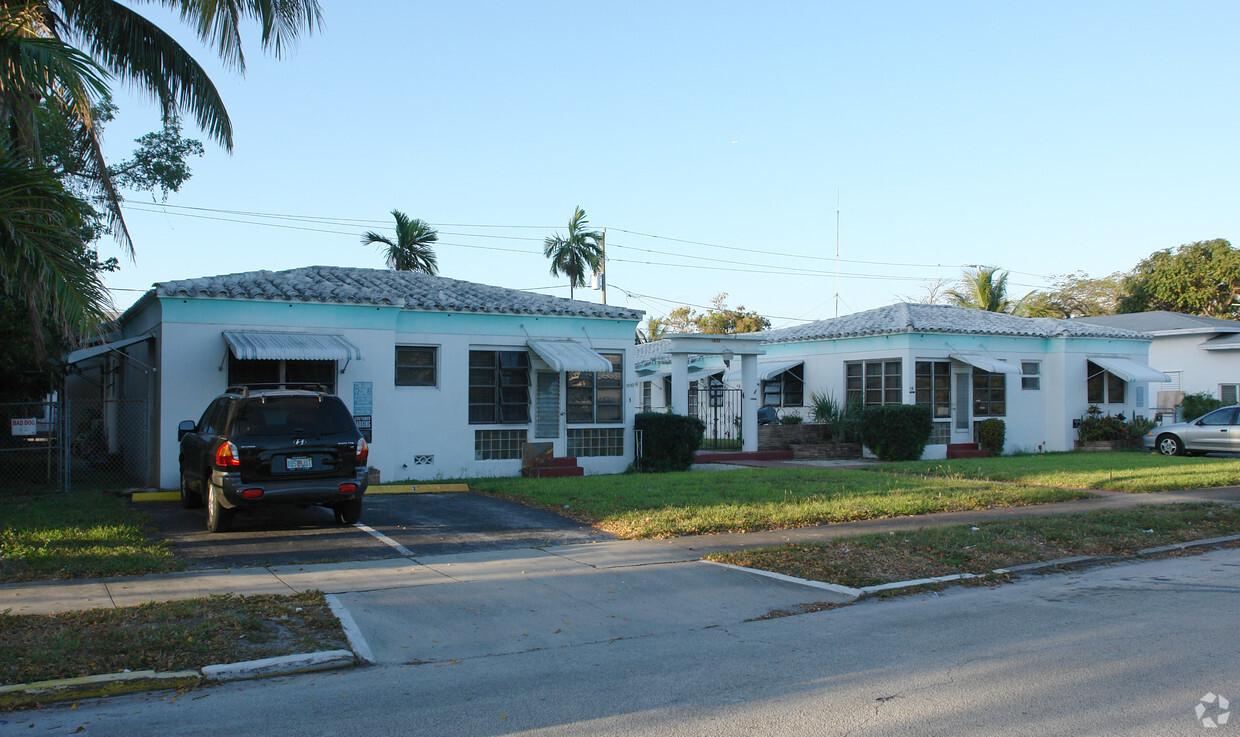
[(1215, 432)]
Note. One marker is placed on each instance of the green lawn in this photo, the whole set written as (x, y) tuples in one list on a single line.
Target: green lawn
[(1124, 471), (978, 549), (698, 502), (165, 636), (81, 534)]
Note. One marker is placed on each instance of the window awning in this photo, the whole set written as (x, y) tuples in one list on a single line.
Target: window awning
[(1229, 342), (993, 365), (767, 370), (1130, 370), (266, 346), (569, 355), (94, 351)]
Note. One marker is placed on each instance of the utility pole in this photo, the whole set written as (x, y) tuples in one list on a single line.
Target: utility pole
[(602, 274)]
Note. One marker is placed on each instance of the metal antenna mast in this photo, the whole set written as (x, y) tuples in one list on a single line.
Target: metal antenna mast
[(837, 252)]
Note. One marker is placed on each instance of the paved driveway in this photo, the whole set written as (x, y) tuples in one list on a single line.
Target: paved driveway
[(421, 524)]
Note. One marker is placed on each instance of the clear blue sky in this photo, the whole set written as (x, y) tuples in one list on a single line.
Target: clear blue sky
[(1041, 138)]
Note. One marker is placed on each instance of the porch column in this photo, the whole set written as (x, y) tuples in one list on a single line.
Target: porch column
[(680, 383), (749, 402)]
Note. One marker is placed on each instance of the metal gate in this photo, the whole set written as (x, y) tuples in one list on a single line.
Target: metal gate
[(719, 406), (31, 456)]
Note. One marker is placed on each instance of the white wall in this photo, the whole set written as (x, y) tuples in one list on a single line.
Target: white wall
[(1201, 370)]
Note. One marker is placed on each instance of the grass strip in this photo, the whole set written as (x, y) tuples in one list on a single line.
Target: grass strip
[(81, 534), (869, 560), (1120, 471), (164, 636), (699, 502)]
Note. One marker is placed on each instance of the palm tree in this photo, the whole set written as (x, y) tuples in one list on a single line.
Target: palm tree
[(984, 289), (654, 330), (412, 250), (576, 255)]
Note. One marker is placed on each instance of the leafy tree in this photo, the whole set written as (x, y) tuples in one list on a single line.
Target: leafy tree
[(654, 330), (934, 293), (1074, 295), (718, 320), (1201, 278), (413, 249), (983, 289), (577, 254)]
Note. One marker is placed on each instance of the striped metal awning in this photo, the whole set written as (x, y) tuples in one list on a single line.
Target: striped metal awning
[(1129, 370), (258, 346), (985, 363), (569, 355)]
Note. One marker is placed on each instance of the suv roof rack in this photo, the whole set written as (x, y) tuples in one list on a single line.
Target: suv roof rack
[(245, 389)]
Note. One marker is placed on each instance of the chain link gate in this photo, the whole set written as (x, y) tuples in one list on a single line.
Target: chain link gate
[(108, 443), (30, 449)]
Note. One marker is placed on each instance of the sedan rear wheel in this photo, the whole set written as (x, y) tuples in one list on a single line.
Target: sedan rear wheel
[(219, 519), (1170, 445)]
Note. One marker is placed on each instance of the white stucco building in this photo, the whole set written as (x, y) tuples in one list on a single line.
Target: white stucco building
[(1198, 354), (452, 377), (965, 365)]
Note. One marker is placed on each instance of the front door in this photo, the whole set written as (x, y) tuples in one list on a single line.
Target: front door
[(962, 407)]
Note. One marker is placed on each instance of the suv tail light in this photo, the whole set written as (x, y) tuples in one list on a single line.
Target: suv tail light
[(363, 451), (227, 455)]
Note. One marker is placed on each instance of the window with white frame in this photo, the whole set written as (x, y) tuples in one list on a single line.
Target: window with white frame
[(1031, 375), (873, 382), (499, 387), (646, 396), (1229, 393), (1102, 386), (989, 394), (932, 385), (786, 389), (415, 365), (596, 396)]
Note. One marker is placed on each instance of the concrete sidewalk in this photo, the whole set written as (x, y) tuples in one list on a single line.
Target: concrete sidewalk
[(47, 597)]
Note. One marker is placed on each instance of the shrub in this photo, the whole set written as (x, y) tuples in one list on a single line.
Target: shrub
[(668, 441), (1196, 405), (896, 432), (842, 421), (1139, 427), (790, 419), (1096, 426), (990, 434)]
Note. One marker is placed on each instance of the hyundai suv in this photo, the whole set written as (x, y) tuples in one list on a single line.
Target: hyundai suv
[(255, 448)]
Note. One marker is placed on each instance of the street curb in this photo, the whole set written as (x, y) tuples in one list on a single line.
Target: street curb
[(845, 590), (421, 489), (1208, 542), (279, 666), (85, 687)]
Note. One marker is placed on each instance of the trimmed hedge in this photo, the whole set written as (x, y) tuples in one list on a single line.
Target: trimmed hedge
[(668, 441), (990, 435), (896, 432)]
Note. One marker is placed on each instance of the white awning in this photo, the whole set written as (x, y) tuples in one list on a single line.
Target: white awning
[(767, 370), (1222, 343), (1130, 370), (993, 365), (98, 350), (260, 346), (569, 355), (694, 374)]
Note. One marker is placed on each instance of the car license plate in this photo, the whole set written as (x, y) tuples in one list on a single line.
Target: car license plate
[(299, 463)]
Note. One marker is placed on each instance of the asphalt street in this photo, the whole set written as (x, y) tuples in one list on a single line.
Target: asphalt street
[(1129, 649), (424, 524)]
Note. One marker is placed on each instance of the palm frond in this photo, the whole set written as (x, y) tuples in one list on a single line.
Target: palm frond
[(218, 23)]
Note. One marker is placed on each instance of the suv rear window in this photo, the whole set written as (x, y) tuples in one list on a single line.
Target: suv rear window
[(261, 416)]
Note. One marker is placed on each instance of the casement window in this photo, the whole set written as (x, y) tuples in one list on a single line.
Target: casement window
[(873, 382), (415, 365), (596, 397), (1102, 386), (1030, 375), (499, 387), (989, 394), (785, 390), (269, 374), (932, 384)]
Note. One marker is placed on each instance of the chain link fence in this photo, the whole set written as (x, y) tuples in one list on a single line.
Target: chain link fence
[(30, 448)]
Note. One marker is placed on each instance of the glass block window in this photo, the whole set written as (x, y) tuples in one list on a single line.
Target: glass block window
[(785, 390), (498, 445), (932, 384), (873, 382), (601, 441), (499, 387), (989, 394), (596, 397), (1030, 375), (415, 365)]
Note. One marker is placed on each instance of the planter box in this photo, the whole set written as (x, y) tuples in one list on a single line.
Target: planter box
[(1102, 445), (825, 451), (781, 437)]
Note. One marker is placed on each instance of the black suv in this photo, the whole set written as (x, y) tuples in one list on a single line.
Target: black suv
[(281, 446)]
